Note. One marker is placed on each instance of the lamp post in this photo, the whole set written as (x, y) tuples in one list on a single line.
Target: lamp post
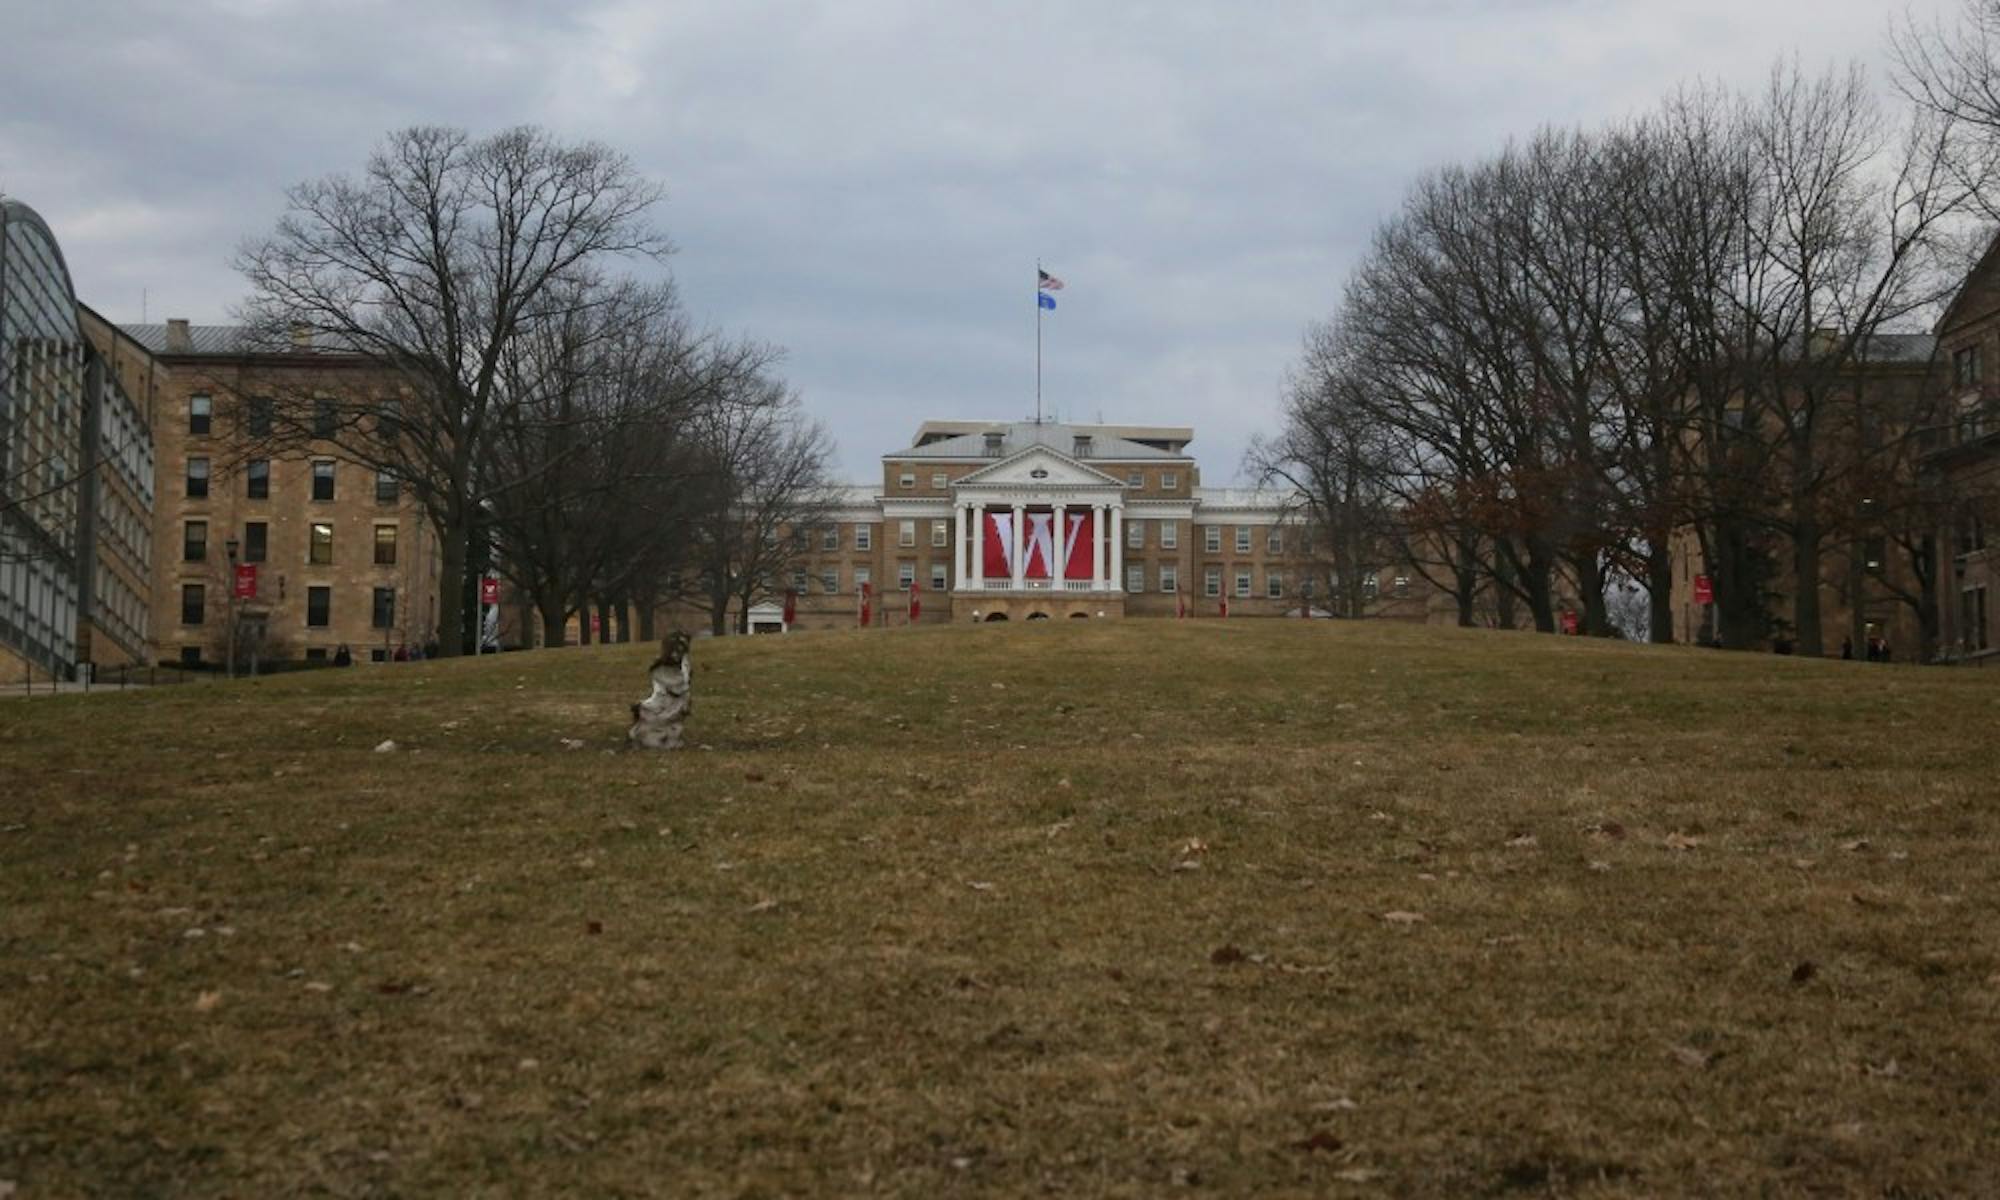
[(229, 546)]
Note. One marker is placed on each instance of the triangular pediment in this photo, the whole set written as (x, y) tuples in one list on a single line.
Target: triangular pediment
[(1039, 466)]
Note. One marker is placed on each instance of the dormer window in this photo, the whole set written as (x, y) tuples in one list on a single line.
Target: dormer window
[(993, 445), (1081, 447)]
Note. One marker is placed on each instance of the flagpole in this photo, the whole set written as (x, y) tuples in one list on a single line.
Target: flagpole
[(1038, 341)]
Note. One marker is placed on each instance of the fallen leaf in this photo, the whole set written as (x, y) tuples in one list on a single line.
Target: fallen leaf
[(1599, 865), (385, 746), (316, 986), (1357, 1174), (1887, 1070), (1691, 1057), (980, 885), (1193, 846), (1227, 956), (762, 906), (1187, 864), (1523, 841), (1855, 846), (1607, 829), (1681, 841), (207, 1001), (1400, 917), (572, 743)]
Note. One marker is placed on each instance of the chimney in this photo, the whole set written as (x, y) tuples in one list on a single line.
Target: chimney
[(302, 336), (179, 341)]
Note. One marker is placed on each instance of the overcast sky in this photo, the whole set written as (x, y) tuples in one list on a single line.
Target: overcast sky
[(869, 184)]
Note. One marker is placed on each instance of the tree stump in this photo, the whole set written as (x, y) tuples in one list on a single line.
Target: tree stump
[(657, 720)]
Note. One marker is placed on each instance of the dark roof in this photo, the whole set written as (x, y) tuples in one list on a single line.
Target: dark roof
[(203, 339), (1897, 347), (1016, 436)]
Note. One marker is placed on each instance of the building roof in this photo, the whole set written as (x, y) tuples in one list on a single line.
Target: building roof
[(967, 439), (202, 339), (1897, 347)]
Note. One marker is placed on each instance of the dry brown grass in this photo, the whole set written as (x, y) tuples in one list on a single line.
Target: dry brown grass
[(1080, 909)]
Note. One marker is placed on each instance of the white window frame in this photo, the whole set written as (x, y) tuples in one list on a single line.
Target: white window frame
[(1211, 582), (864, 537), (1170, 578), (940, 533), (798, 583), (1243, 585), (1135, 533), (906, 480), (829, 581), (862, 577), (906, 574), (1274, 541), (1274, 585), (1170, 535), (1211, 537), (1136, 479), (1170, 481), (940, 578), (829, 538), (1135, 577), (906, 533), (940, 480), (1242, 539)]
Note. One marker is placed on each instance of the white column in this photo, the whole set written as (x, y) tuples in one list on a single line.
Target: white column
[(1098, 513), (1020, 557), (977, 568), (1056, 562), (1118, 548)]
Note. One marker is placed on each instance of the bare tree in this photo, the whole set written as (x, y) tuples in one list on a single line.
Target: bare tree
[(431, 265)]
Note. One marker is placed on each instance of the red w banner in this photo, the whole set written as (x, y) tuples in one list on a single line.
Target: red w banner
[(916, 605), (246, 581), (1180, 606), (791, 606), (1039, 544), (1224, 606), (867, 597)]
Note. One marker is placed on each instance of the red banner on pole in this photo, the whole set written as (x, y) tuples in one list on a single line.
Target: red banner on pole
[(246, 581), (1223, 606), (1704, 590), (1569, 621), (791, 606), (916, 605), (489, 590), (867, 602)]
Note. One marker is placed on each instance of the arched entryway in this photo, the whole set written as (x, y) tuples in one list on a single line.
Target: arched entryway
[(995, 616), (1079, 616), (1038, 616)]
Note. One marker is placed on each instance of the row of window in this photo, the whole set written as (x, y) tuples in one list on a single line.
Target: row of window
[(256, 543), (1135, 536), (257, 480), (319, 606), (260, 415)]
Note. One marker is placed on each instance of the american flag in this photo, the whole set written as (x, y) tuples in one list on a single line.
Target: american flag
[(1047, 282)]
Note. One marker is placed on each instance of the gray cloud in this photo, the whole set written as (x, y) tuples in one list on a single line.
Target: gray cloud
[(869, 184)]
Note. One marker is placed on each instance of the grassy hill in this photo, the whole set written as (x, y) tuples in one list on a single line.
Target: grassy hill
[(1075, 908)]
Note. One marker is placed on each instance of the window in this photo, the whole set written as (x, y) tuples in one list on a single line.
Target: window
[(906, 574), (322, 480), (257, 419), (906, 533), (1242, 583), (863, 537), (1972, 619), (257, 479), (1971, 530), (256, 539), (326, 417), (829, 581), (385, 545), (1872, 551), (992, 446), (940, 481), (1135, 534), (190, 656), (1080, 446), (1170, 535), (1242, 539), (1274, 541), (1212, 538), (1370, 585), (1170, 481), (319, 550), (197, 478), (382, 613), (940, 533), (318, 654), (829, 538), (389, 420), (1211, 582), (1170, 578), (1135, 479), (194, 599), (862, 577), (798, 583), (201, 411), (938, 580), (319, 607), (906, 481), (194, 541), (385, 488), (378, 654), (1274, 585), (1135, 577), (1402, 585), (1965, 366)]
